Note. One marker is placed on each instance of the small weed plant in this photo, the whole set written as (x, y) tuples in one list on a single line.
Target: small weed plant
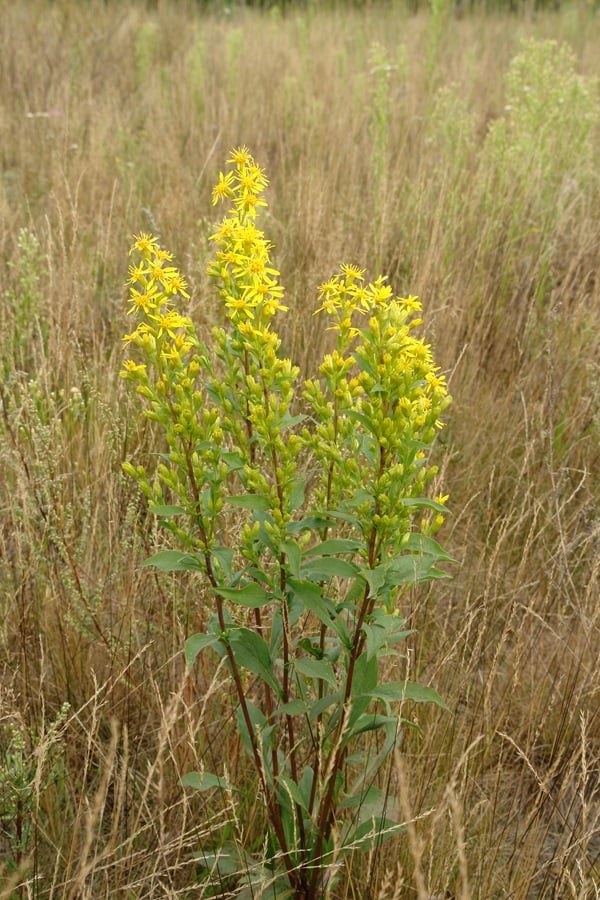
[(304, 508)]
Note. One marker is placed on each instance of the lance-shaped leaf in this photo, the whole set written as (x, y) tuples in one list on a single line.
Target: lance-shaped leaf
[(426, 545), (293, 790), (310, 595), (325, 567), (249, 501), (423, 503), (294, 556), (334, 546), (406, 690), (316, 668), (258, 722), (174, 561), (252, 653), (205, 781), (196, 644), (251, 595), (370, 834), (166, 511), (384, 629)]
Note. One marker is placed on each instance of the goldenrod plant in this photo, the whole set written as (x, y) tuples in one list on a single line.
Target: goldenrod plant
[(492, 216), (304, 507)]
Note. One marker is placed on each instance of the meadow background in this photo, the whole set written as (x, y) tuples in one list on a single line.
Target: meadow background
[(437, 145)]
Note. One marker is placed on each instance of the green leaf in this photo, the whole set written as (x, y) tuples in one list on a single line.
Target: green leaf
[(204, 781), (406, 690), (426, 545), (309, 523), (375, 578), (335, 546), (276, 641), (376, 637), (372, 763), (266, 745), (196, 644), (423, 503), (355, 593), (292, 789), (294, 557), (404, 569), (359, 497), (306, 783), (297, 493), (296, 608), (260, 879), (228, 862), (310, 595), (324, 703), (166, 511), (368, 795), (311, 647), (364, 680), (288, 420), (344, 515), (371, 722), (326, 567), (316, 668), (258, 721), (174, 561), (251, 595), (252, 653), (384, 629), (411, 570), (232, 460), (293, 708), (249, 501), (223, 556), (365, 676), (371, 833), (364, 420)]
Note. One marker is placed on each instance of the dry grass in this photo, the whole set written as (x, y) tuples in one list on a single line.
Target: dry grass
[(116, 117)]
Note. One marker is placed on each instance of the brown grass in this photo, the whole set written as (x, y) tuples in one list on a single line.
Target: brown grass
[(116, 117)]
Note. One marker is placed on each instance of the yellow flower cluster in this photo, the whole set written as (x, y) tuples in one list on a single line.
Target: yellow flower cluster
[(346, 294), (373, 412), (153, 287), (248, 282), (382, 400), (170, 383), (403, 361)]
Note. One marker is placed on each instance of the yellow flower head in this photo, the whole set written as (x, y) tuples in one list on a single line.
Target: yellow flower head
[(240, 156), (352, 273), (133, 370), (144, 243), (168, 322), (143, 301), (252, 180), (223, 187), (137, 274), (411, 304), (239, 306), (177, 285)]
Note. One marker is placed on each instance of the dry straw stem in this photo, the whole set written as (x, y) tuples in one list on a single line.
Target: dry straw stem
[(115, 118)]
